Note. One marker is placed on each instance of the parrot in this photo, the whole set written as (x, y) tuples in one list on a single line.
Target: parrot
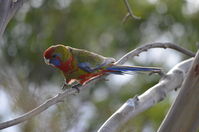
[(80, 66)]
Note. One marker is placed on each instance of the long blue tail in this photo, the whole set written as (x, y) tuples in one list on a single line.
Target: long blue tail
[(123, 69)]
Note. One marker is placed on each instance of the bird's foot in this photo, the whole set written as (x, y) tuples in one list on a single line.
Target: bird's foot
[(76, 86), (160, 72), (66, 86)]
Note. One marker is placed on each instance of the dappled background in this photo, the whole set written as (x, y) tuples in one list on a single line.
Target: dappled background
[(96, 25)]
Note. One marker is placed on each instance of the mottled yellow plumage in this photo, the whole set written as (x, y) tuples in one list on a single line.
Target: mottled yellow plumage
[(78, 65)]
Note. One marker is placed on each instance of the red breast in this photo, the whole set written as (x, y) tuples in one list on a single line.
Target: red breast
[(67, 67)]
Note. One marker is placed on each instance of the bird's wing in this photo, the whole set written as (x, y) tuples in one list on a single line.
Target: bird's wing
[(89, 61)]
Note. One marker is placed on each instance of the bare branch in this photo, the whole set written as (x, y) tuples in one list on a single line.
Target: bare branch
[(172, 80), (58, 98), (7, 10), (183, 115), (130, 12), (72, 91), (146, 47)]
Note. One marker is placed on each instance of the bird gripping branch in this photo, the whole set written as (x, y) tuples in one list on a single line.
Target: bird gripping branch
[(80, 66)]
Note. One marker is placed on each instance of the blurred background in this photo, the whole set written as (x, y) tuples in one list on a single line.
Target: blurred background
[(96, 25)]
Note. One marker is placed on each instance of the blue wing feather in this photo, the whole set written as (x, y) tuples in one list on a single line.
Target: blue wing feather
[(131, 68), (86, 66), (115, 69)]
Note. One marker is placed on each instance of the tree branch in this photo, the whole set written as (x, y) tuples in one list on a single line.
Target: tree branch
[(146, 47), (7, 10), (71, 91), (130, 12), (58, 98), (133, 106), (183, 115)]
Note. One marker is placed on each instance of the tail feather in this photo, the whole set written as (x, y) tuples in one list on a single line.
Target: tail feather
[(131, 68)]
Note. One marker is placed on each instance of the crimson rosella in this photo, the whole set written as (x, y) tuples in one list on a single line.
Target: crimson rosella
[(80, 66)]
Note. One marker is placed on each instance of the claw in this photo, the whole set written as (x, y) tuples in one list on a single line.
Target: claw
[(161, 73), (77, 87), (66, 86)]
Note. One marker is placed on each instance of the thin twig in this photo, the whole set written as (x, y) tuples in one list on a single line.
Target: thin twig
[(58, 98), (71, 91), (130, 12), (146, 47)]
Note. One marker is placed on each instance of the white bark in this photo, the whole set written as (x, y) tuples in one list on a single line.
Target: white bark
[(7, 10), (171, 81), (184, 113), (176, 75)]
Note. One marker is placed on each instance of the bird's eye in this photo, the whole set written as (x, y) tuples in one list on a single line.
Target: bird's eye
[(54, 56)]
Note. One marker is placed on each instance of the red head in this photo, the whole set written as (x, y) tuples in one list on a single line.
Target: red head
[(58, 56), (49, 52)]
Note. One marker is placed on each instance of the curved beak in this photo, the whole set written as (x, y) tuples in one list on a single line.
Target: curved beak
[(47, 61)]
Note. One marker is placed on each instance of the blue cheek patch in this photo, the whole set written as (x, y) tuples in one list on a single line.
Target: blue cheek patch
[(55, 62)]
